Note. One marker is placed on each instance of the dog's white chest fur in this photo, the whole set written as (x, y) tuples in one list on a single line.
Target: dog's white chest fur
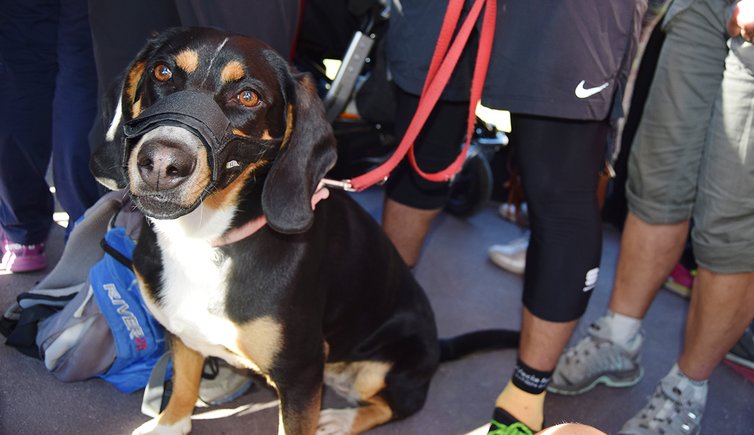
[(194, 286)]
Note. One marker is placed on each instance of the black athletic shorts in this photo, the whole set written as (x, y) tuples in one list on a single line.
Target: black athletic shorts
[(436, 147)]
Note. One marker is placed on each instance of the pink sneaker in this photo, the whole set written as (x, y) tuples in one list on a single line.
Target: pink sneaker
[(23, 258), (746, 372), (680, 280)]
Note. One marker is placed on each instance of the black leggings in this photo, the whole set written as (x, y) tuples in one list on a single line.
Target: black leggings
[(559, 161)]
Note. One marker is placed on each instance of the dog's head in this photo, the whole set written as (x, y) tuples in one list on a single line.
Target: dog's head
[(200, 113)]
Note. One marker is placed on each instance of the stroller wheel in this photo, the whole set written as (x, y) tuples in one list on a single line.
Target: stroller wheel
[(471, 188)]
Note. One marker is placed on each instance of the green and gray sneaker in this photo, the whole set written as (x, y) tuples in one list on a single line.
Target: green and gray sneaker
[(597, 360)]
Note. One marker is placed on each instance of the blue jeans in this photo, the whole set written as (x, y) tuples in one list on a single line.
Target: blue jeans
[(48, 94)]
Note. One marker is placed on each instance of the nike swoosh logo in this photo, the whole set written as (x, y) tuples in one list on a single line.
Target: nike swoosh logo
[(583, 92)]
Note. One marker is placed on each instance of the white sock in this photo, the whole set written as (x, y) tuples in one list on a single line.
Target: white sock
[(621, 328), (676, 371), (691, 389)]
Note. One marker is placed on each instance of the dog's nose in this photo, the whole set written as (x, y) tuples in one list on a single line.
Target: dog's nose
[(163, 164)]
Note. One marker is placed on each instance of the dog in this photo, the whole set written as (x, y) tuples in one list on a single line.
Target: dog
[(222, 146)]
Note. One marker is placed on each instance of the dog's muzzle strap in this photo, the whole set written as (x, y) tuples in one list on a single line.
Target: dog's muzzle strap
[(199, 113), (193, 109)]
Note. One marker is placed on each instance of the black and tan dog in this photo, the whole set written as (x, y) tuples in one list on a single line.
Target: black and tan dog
[(212, 133)]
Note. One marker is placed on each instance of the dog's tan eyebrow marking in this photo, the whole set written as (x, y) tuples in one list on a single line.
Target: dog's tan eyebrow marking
[(187, 60), (212, 60), (231, 72)]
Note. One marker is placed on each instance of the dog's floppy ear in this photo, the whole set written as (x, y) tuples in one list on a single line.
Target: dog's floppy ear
[(303, 161), (106, 163)]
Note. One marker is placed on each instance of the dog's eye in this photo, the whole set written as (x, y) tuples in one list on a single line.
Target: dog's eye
[(162, 72), (248, 98)]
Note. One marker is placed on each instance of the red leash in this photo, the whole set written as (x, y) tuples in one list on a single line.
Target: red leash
[(444, 61)]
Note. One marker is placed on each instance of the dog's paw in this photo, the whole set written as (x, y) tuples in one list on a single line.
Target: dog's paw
[(153, 427), (336, 421)]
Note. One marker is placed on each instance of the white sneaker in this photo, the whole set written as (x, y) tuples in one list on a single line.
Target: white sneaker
[(675, 408), (222, 384), (511, 256), (511, 213)]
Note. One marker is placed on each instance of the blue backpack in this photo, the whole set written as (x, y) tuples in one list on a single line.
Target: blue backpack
[(87, 318), (139, 339)]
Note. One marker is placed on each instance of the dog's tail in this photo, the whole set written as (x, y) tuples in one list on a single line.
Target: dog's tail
[(452, 348)]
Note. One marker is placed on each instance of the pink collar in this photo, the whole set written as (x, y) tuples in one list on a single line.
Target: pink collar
[(255, 224), (241, 232)]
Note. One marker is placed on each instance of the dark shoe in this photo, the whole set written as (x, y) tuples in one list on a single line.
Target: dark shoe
[(505, 424)]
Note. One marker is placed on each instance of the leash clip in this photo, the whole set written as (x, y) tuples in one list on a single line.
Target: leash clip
[(344, 185), (338, 184)]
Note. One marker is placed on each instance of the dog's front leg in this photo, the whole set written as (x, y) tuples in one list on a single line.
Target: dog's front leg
[(300, 400), (187, 373)]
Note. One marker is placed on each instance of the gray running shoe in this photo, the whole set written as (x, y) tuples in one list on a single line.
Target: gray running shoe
[(675, 408), (597, 360)]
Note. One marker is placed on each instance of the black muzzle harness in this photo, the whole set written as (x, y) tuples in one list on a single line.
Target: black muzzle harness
[(197, 112)]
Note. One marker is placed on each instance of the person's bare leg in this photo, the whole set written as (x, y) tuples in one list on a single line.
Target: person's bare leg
[(722, 306), (648, 254), (535, 332), (407, 227)]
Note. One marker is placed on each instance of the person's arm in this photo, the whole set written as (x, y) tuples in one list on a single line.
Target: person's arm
[(741, 22)]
